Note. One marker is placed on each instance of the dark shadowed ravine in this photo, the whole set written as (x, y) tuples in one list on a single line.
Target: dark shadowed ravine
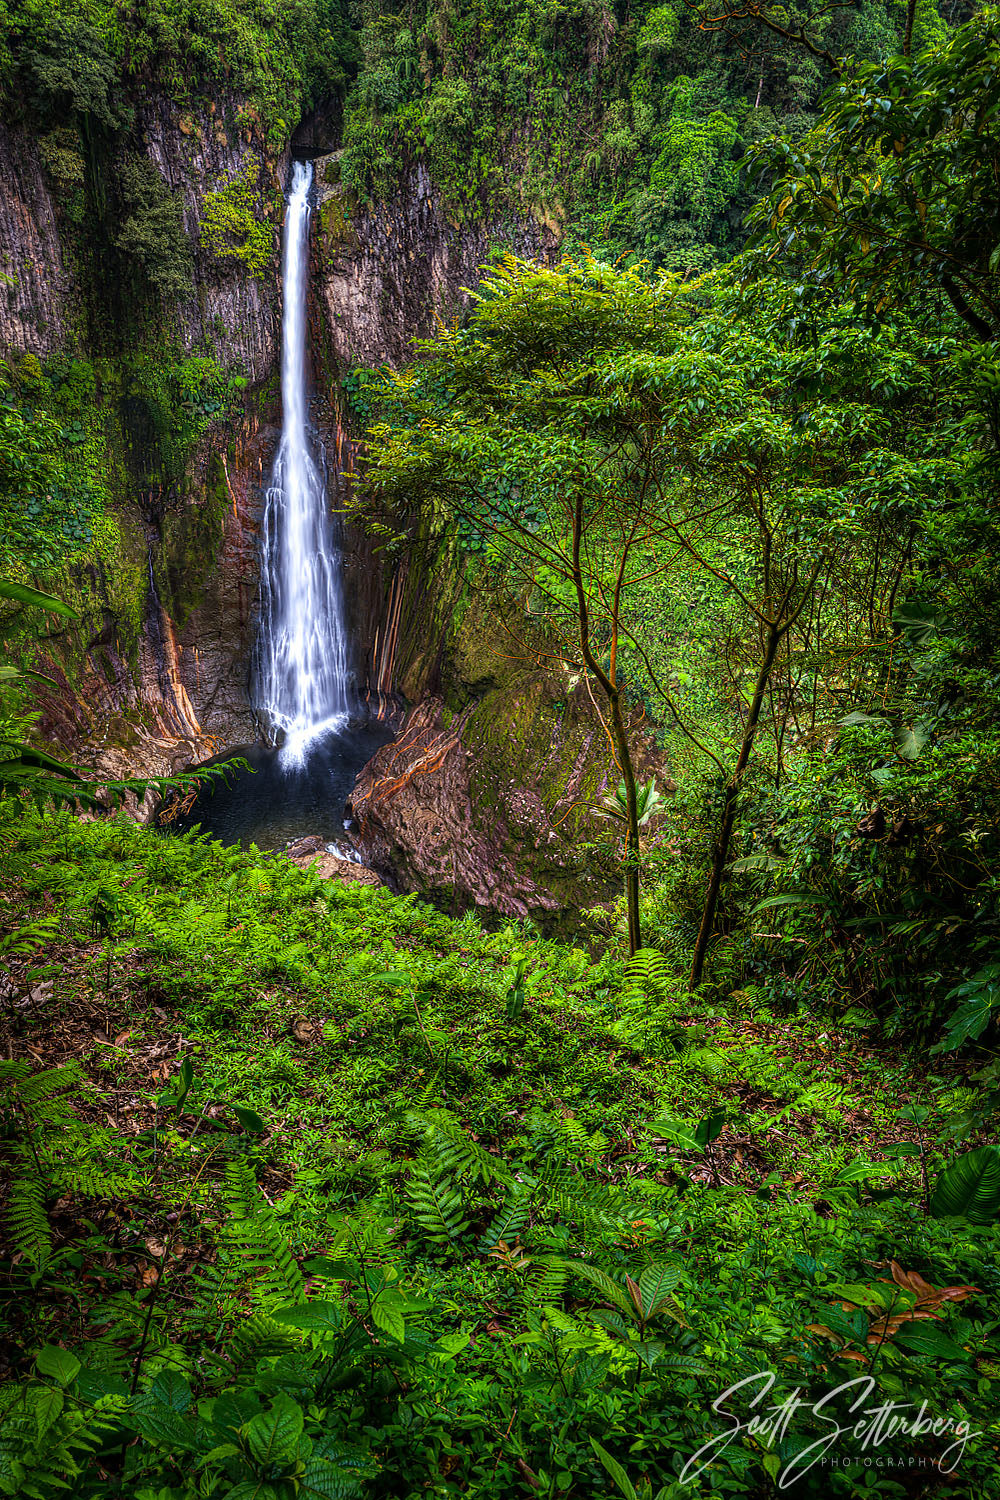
[(274, 801)]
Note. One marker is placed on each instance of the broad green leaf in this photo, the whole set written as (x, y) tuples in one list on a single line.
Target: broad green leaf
[(389, 1319), (450, 1344), (602, 1283), (969, 1187), (273, 1437), (710, 1127), (970, 1020), (326, 1481), (864, 1296), (672, 1130), (58, 1364), (656, 1282), (230, 1412), (249, 1119), (162, 1425), (860, 1171), (394, 978), (930, 1338), (25, 595), (850, 720), (912, 739), (311, 1317), (215, 1455), (793, 898), (919, 622), (172, 1389), (47, 1402), (614, 1468)]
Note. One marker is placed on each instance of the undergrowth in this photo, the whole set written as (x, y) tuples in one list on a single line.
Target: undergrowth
[(313, 1191)]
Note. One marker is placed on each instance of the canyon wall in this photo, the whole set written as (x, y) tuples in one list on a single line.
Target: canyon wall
[(487, 794)]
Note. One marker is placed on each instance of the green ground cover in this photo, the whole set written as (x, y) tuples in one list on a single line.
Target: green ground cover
[(331, 1194)]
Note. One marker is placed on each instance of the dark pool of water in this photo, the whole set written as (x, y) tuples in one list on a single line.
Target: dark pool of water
[(275, 802)]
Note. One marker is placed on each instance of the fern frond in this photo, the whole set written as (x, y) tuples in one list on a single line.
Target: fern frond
[(264, 1250), (548, 1281), (509, 1222), (648, 972), (25, 1219), (436, 1204), (455, 1151)]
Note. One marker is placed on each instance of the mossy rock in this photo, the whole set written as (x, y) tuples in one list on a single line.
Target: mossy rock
[(192, 539), (335, 226)]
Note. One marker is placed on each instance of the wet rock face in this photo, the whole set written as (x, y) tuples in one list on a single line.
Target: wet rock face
[(182, 695), (488, 808), (233, 313), (34, 284), (413, 808), (386, 270)]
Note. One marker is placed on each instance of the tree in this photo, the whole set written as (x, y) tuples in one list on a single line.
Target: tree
[(593, 433), (897, 191), (532, 430)]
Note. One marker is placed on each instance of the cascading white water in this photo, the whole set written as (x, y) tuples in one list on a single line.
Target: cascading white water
[(303, 686)]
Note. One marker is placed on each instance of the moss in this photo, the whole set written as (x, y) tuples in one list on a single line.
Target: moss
[(238, 223), (335, 223), (192, 538)]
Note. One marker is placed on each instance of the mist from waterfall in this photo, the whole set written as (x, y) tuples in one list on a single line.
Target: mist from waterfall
[(302, 685)]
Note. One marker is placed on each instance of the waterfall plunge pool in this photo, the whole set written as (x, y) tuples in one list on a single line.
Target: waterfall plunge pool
[(280, 798)]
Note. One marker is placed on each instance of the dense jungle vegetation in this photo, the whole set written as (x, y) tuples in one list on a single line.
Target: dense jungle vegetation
[(312, 1190)]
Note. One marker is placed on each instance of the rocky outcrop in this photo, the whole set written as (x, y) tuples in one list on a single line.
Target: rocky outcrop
[(488, 808), (387, 270), (34, 283), (233, 311), (313, 853)]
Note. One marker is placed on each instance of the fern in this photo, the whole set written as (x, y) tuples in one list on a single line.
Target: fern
[(25, 1219), (545, 1284), (648, 975), (436, 1203), (586, 1205), (509, 1222), (39, 1113), (456, 1152), (262, 1246)]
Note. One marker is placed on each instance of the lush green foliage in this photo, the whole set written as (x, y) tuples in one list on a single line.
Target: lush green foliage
[(232, 225), (626, 124), (621, 449), (84, 61), (316, 1192), (333, 1221), (895, 192)]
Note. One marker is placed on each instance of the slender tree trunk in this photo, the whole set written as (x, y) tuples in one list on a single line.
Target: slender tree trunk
[(720, 855), (632, 806), (619, 732)]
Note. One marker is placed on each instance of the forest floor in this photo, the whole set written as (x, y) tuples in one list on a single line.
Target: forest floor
[(473, 1112)]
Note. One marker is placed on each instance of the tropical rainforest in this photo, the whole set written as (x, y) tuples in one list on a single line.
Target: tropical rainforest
[(613, 1110)]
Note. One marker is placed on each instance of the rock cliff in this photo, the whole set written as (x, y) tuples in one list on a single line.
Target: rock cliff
[(34, 280), (385, 271), (233, 311)]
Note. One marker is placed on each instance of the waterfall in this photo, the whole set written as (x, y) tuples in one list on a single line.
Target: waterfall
[(302, 687)]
